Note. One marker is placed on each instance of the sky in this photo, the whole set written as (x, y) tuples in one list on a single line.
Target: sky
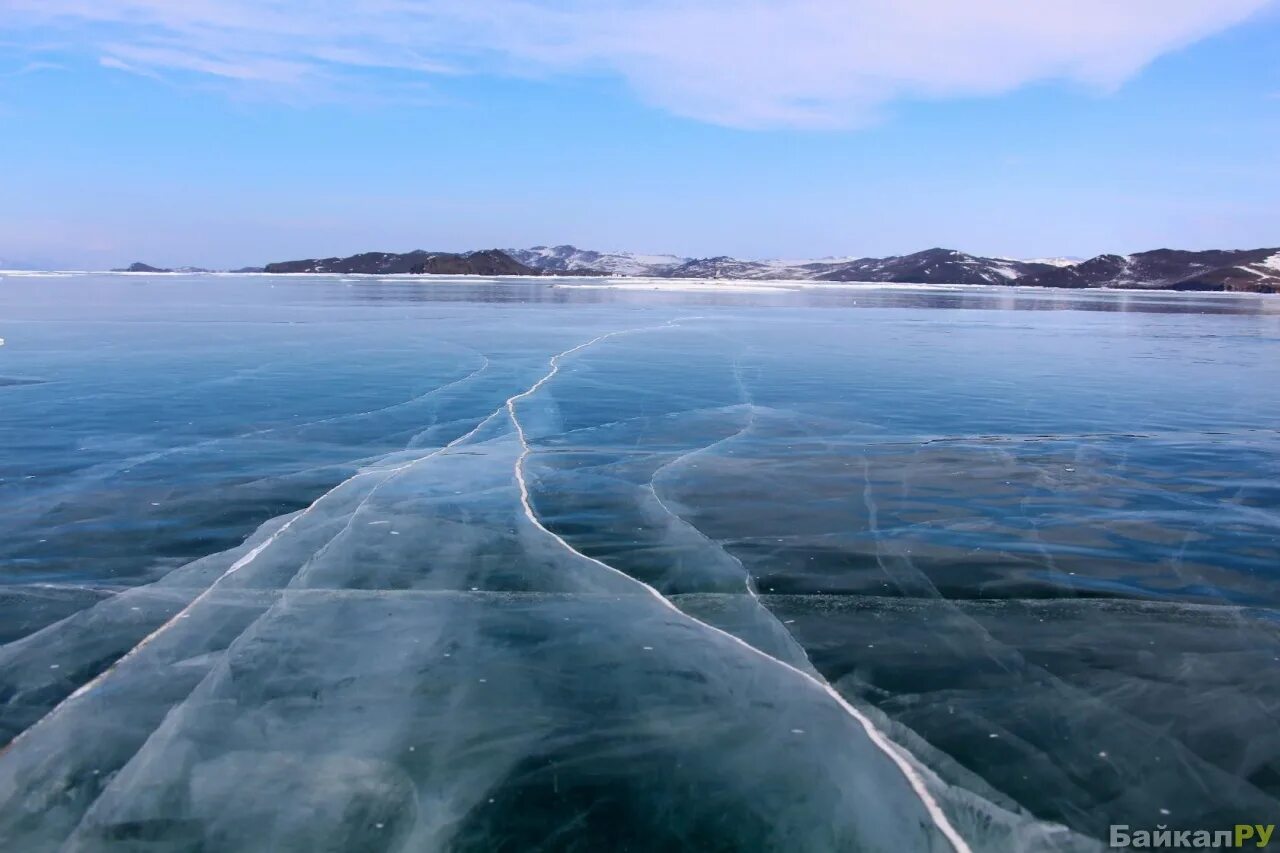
[(225, 133)]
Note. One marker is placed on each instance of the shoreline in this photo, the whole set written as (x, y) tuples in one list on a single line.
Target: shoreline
[(640, 283)]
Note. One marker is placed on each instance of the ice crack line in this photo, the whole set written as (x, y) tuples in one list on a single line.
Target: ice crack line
[(881, 741), (103, 472), (239, 564), (252, 555), (749, 402)]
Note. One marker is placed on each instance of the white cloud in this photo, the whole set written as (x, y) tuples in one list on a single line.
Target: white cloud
[(751, 63)]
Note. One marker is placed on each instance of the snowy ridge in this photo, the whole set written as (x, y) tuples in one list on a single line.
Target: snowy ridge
[(1255, 270), (1244, 270), (553, 259), (1248, 270), (1052, 261), (933, 266)]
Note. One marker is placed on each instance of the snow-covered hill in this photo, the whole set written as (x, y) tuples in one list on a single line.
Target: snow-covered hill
[(559, 259), (933, 266), (1254, 270)]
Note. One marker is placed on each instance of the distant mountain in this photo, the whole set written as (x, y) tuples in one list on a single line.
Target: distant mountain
[(562, 260), (141, 267), (934, 266), (1053, 262), (726, 267), (570, 259), (1256, 270), (1247, 270), (487, 262)]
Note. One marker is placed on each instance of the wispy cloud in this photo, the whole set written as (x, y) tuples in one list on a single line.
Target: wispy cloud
[(34, 67), (749, 63)]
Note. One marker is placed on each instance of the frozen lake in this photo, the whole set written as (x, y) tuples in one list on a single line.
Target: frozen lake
[(386, 565)]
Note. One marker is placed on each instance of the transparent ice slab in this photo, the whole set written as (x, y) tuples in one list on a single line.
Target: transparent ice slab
[(670, 576)]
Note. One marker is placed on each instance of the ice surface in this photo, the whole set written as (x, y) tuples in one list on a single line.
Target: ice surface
[(514, 567)]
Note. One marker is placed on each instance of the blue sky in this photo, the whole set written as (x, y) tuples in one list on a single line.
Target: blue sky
[(235, 132)]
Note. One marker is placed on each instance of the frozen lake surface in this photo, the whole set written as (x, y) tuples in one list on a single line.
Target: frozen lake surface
[(387, 565)]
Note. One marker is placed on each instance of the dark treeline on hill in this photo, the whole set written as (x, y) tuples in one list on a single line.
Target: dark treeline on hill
[(1249, 271), (485, 262)]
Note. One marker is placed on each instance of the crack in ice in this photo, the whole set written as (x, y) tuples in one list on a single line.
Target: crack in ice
[(878, 739), (256, 551), (106, 470), (245, 560), (892, 751)]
